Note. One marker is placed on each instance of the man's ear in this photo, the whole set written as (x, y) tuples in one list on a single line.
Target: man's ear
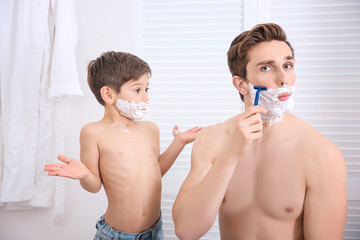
[(241, 85), (107, 95)]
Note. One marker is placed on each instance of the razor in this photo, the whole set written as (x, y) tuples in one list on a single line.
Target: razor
[(258, 90)]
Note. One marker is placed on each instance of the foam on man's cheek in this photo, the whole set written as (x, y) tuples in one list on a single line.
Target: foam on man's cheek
[(269, 100)]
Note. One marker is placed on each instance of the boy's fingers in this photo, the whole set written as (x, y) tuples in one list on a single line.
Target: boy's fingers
[(175, 130), (64, 159)]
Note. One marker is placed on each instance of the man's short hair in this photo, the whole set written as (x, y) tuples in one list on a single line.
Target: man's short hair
[(237, 55)]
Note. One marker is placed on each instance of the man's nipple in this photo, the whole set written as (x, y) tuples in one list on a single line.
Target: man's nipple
[(289, 209)]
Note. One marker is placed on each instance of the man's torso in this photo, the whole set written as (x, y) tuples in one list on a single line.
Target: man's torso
[(265, 197)]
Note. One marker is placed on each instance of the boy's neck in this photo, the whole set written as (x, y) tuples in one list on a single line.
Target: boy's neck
[(113, 115)]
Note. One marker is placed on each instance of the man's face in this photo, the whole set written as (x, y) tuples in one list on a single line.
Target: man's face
[(271, 65)]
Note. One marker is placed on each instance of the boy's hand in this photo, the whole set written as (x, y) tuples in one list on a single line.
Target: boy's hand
[(188, 136), (72, 169)]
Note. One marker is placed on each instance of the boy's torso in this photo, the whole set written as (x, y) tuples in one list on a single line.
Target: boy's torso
[(131, 175)]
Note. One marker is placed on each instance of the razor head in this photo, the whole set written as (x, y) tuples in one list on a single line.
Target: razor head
[(258, 90)]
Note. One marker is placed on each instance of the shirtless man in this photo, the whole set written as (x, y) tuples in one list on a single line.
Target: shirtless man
[(123, 153), (267, 174)]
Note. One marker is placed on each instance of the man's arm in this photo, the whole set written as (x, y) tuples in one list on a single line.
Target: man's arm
[(325, 207), (216, 153), (168, 157)]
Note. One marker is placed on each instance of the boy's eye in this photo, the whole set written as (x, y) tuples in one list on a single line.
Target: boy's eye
[(147, 89), (137, 90), (265, 68)]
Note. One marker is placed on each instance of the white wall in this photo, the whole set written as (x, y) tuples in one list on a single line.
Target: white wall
[(103, 25)]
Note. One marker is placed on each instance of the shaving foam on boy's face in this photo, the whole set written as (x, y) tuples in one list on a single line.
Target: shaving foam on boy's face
[(269, 99), (132, 110)]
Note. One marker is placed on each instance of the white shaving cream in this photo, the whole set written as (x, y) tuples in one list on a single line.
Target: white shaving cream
[(269, 100), (132, 110)]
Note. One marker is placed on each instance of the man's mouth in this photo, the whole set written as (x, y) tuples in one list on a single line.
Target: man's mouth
[(284, 96)]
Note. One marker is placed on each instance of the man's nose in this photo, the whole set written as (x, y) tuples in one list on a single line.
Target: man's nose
[(282, 78)]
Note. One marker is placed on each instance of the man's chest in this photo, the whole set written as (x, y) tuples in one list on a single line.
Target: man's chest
[(270, 181)]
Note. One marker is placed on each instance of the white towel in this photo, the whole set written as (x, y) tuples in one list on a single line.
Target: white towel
[(37, 69)]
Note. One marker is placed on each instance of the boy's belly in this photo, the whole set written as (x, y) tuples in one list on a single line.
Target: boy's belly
[(134, 199)]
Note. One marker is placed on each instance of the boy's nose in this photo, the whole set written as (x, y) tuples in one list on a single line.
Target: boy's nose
[(145, 98)]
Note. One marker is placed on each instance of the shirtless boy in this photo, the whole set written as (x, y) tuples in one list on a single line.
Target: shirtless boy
[(122, 153), (267, 174)]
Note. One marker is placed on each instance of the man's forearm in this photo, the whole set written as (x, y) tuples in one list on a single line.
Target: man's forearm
[(195, 209)]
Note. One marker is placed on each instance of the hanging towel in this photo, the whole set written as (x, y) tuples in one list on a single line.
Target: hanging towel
[(37, 70)]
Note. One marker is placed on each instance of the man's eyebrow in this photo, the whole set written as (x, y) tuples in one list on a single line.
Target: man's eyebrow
[(266, 62), (289, 58), (269, 62)]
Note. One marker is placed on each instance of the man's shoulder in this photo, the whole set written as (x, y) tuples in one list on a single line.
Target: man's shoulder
[(315, 146), (212, 131), (304, 129)]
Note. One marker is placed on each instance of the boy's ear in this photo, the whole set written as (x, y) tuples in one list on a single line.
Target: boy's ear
[(107, 95), (240, 84)]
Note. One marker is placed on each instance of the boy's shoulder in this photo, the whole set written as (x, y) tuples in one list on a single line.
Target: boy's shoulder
[(149, 125), (91, 128)]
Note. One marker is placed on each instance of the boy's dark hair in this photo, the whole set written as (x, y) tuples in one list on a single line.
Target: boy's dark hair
[(237, 55), (113, 69)]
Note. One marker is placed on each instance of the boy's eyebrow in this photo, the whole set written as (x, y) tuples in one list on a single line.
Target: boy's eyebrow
[(138, 84), (269, 62)]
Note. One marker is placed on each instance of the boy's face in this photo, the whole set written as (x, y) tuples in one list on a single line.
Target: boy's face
[(271, 65), (135, 90)]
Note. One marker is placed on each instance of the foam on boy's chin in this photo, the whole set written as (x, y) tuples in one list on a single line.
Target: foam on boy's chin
[(131, 109)]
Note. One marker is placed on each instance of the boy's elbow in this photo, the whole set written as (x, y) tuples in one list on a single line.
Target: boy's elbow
[(93, 189)]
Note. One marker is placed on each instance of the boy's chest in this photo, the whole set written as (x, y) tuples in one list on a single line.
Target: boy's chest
[(129, 147)]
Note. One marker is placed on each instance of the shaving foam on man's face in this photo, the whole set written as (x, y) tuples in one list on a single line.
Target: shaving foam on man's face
[(278, 102), (132, 110)]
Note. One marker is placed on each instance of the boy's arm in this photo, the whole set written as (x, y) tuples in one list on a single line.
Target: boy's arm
[(168, 157), (326, 199), (86, 171), (89, 155)]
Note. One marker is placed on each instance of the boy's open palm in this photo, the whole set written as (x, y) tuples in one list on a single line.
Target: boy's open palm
[(187, 136), (72, 168)]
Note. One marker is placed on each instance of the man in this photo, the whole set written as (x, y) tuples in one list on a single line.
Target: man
[(268, 174)]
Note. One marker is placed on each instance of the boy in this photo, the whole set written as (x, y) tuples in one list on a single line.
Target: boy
[(122, 153)]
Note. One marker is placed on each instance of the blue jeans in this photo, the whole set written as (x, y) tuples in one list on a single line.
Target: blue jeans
[(105, 232)]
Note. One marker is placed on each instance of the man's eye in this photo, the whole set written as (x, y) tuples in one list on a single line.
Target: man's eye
[(288, 66), (265, 68)]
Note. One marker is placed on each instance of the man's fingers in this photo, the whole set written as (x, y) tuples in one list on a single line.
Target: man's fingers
[(252, 110)]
